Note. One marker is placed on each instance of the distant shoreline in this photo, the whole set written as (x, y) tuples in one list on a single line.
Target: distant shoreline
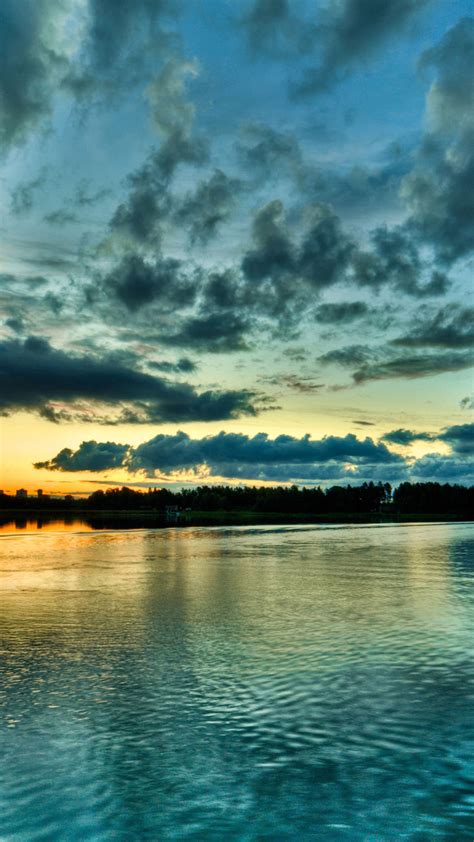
[(225, 517)]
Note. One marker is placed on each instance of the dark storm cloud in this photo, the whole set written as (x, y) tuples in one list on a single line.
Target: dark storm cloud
[(437, 468), (348, 356), (223, 290), (268, 286), (181, 366), (149, 204), (326, 253), (371, 364), (460, 438), (120, 46), (220, 311), (218, 332), (399, 258), (54, 303), (351, 32), (117, 45), (173, 308), (288, 267), (395, 260), (273, 252), (439, 284), (205, 209), (360, 189), (440, 189), (15, 324), (319, 259), (405, 437), (467, 403), (451, 327), (271, 27), (90, 456), (173, 115), (287, 264), (33, 374), (137, 283), (33, 60), (343, 313), (118, 24), (412, 366), (283, 459), (140, 217), (238, 456), (266, 153), (180, 451), (341, 35), (178, 148), (440, 194), (325, 249), (332, 471), (451, 97)]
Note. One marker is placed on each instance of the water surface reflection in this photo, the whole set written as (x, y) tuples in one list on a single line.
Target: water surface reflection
[(242, 683), (31, 522)]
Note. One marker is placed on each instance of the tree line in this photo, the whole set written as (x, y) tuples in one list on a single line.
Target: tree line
[(368, 498)]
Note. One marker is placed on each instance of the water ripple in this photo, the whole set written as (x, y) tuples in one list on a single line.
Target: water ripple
[(246, 684)]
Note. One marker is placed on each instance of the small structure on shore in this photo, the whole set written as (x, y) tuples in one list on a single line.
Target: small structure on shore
[(173, 514)]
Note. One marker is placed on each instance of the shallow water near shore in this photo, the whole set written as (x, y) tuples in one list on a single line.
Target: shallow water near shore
[(247, 683)]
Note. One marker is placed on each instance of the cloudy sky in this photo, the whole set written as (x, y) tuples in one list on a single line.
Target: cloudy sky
[(236, 241)]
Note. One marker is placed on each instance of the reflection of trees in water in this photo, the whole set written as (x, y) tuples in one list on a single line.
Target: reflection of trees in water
[(63, 522), (124, 521), (24, 521)]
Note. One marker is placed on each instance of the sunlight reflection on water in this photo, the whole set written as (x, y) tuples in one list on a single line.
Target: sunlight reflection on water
[(240, 683), (34, 525)]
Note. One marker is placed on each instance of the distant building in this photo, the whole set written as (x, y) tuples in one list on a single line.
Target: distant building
[(22, 493), (39, 492)]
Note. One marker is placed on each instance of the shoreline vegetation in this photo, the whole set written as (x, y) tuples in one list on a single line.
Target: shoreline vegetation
[(245, 505)]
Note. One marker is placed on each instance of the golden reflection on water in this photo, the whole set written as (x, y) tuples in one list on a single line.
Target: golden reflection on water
[(169, 679), (35, 526), (196, 574)]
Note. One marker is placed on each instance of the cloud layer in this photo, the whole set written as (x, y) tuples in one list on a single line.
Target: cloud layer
[(203, 205), (282, 459), (35, 376)]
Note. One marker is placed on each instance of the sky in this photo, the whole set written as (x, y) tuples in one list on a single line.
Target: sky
[(236, 242)]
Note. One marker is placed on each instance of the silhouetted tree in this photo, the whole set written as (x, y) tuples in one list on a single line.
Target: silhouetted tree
[(368, 498)]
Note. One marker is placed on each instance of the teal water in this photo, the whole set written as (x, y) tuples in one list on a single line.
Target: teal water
[(238, 684)]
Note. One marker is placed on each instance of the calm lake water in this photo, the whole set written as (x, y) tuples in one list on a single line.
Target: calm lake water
[(249, 683)]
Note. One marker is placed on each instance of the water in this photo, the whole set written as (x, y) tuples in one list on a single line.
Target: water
[(28, 523), (238, 683)]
